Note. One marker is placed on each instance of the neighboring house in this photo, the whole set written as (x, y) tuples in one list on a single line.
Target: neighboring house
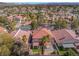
[(23, 37), (26, 25), (14, 17), (18, 34), (65, 37)]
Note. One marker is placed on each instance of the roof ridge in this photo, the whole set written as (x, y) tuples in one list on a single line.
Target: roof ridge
[(66, 30), (17, 32)]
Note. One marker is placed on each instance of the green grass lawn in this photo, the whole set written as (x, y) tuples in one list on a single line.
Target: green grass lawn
[(68, 52), (61, 52), (36, 51), (73, 53)]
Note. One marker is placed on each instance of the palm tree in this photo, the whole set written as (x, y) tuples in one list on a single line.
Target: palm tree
[(25, 48), (42, 43), (24, 38)]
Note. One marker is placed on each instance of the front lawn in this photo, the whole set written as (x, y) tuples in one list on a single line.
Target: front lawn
[(36, 51)]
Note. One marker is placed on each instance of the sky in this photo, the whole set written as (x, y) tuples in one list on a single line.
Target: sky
[(44, 2), (33, 2), (39, 0)]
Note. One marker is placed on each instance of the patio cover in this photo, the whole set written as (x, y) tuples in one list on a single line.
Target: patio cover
[(68, 45)]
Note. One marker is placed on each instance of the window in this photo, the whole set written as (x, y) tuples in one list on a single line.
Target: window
[(35, 40)]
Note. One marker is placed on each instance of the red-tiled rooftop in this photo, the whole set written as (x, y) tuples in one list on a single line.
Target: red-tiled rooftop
[(18, 16), (2, 29), (64, 34), (39, 33)]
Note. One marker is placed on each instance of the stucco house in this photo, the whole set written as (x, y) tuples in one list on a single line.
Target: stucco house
[(65, 37)]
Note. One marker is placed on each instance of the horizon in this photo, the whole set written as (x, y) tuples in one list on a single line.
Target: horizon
[(37, 3)]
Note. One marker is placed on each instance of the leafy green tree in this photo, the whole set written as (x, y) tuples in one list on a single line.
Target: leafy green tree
[(39, 18), (4, 51), (20, 49), (3, 21), (75, 24), (67, 54), (34, 25), (6, 43), (12, 25), (64, 24), (59, 24), (6, 39), (6, 23), (16, 49)]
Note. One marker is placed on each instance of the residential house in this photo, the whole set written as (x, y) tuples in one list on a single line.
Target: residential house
[(26, 25), (65, 37), (18, 35), (40, 33)]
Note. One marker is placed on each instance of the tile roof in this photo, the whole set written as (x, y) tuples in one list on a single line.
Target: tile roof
[(41, 33), (64, 35), (2, 29), (18, 16), (19, 33)]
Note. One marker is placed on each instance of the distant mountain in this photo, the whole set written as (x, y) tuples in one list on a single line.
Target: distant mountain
[(64, 3), (7, 4), (47, 3), (38, 3)]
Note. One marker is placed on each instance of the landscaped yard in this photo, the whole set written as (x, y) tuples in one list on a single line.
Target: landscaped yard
[(67, 52), (73, 53), (36, 51)]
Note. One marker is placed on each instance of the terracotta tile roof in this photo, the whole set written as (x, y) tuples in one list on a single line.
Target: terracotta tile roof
[(41, 33), (64, 35), (2, 29), (18, 16)]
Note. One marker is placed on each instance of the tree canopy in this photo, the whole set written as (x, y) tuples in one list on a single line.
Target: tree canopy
[(6, 43), (59, 24)]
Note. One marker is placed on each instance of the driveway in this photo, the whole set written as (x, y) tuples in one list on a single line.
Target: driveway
[(49, 49)]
